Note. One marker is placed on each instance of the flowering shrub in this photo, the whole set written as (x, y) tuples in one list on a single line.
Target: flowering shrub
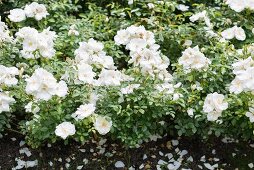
[(132, 70)]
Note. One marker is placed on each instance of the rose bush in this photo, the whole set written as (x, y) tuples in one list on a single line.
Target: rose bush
[(132, 70)]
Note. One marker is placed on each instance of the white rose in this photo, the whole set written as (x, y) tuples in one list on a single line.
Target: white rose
[(182, 7), (237, 5), (17, 15), (5, 102), (65, 129), (85, 73), (150, 5), (250, 114), (239, 33), (61, 89), (130, 2), (84, 111), (102, 124), (214, 104), (228, 33)]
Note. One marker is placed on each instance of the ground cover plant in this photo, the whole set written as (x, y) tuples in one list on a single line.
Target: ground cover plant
[(130, 71)]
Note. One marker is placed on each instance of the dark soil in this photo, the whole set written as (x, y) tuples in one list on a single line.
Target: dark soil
[(71, 154)]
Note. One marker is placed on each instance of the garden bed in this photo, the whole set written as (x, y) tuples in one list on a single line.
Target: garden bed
[(196, 154), (78, 75)]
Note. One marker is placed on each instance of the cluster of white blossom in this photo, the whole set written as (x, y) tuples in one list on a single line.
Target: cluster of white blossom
[(244, 80), (102, 124), (91, 54), (4, 33), (42, 85), (144, 51), (7, 75), (110, 78), (33, 10), (192, 58), (214, 104), (35, 43), (234, 32), (240, 5), (5, 101)]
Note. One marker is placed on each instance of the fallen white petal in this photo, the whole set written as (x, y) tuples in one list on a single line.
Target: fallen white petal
[(190, 159), (251, 165), (208, 166), (175, 142), (119, 164), (25, 151), (161, 162), (80, 167), (21, 143), (82, 150)]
